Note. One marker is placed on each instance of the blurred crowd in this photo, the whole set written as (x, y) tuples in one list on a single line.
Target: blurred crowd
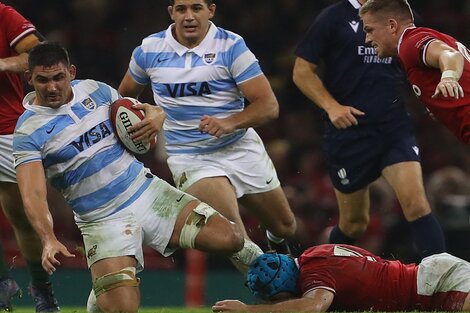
[(101, 34)]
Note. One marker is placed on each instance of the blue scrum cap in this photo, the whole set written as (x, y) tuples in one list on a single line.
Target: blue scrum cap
[(272, 273)]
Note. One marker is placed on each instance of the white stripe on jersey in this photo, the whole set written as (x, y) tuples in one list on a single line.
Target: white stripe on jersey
[(191, 83)]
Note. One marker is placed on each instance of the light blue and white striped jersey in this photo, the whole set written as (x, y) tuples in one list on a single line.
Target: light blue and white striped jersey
[(191, 83), (80, 153)]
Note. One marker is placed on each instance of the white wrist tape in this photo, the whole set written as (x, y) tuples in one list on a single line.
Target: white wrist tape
[(449, 74)]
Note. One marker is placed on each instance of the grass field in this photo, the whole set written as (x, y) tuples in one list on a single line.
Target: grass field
[(142, 310)]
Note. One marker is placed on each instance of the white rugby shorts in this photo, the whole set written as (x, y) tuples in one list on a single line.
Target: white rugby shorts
[(7, 168), (150, 220), (442, 273), (245, 163)]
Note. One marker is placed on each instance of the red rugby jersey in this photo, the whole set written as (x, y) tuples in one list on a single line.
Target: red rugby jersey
[(360, 280), (453, 113), (13, 27)]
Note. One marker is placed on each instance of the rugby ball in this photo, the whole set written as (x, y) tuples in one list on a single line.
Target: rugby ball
[(123, 116)]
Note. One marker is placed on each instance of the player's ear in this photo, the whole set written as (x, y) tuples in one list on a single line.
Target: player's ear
[(393, 25), (28, 76), (212, 8), (170, 11), (72, 71)]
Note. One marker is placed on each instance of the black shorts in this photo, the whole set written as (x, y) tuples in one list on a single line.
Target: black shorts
[(357, 155)]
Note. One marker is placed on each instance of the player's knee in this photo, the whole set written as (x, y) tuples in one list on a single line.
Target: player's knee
[(109, 298), (415, 208), (233, 240), (285, 228), (354, 228)]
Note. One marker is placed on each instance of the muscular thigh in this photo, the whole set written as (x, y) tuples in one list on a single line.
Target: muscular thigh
[(269, 207)]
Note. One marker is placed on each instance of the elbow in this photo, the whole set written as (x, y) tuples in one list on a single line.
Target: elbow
[(273, 112), (297, 76)]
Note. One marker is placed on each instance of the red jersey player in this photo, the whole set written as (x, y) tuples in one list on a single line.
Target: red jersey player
[(348, 278), (17, 37), (437, 65)]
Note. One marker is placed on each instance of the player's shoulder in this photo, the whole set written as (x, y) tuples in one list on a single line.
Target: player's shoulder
[(224, 34)]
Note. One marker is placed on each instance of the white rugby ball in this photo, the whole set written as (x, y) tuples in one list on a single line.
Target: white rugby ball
[(123, 116)]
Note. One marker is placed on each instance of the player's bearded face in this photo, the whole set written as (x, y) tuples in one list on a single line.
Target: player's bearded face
[(52, 84), (191, 19)]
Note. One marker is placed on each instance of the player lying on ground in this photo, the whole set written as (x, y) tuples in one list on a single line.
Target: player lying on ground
[(348, 278)]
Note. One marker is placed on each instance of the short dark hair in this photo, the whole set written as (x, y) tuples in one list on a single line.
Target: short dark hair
[(208, 2), (48, 54), (398, 8)]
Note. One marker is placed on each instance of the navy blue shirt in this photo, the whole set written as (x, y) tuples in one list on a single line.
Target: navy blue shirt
[(354, 75)]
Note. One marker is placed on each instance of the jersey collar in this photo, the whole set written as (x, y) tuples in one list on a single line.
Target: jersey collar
[(63, 109), (401, 37), (355, 4), (199, 50)]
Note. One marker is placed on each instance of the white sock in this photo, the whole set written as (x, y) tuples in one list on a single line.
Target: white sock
[(248, 254)]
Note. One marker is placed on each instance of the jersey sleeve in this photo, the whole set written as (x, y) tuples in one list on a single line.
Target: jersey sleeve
[(243, 63), (412, 50), (14, 26), (25, 148), (317, 274), (314, 44), (137, 66)]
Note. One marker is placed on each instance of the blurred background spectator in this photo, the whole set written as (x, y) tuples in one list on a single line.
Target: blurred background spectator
[(100, 34)]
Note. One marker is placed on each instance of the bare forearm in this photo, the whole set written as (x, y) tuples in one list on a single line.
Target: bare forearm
[(16, 64), (451, 61), (312, 87), (40, 218), (256, 114)]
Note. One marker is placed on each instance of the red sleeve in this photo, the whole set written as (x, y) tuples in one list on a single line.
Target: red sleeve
[(317, 274), (14, 25), (413, 45)]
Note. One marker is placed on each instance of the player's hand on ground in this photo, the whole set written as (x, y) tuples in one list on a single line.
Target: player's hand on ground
[(344, 116), (448, 87), (51, 249), (215, 126), (151, 125), (229, 306)]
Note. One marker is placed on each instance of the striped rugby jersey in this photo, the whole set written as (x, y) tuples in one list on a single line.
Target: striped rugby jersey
[(190, 83), (80, 152)]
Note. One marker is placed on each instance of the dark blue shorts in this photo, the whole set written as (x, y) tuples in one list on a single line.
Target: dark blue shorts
[(357, 156)]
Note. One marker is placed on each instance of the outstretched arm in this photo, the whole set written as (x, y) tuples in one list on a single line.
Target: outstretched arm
[(32, 185), (450, 62), (307, 80), (317, 300)]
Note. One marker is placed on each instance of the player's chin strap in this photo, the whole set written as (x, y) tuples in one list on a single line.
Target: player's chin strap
[(197, 218), (124, 277)]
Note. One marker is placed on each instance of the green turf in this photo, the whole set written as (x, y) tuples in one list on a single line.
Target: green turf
[(142, 310)]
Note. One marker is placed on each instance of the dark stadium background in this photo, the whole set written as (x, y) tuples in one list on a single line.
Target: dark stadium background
[(101, 34)]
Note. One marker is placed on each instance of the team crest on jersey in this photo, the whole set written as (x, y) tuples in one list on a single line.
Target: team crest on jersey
[(209, 58), (88, 104)]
